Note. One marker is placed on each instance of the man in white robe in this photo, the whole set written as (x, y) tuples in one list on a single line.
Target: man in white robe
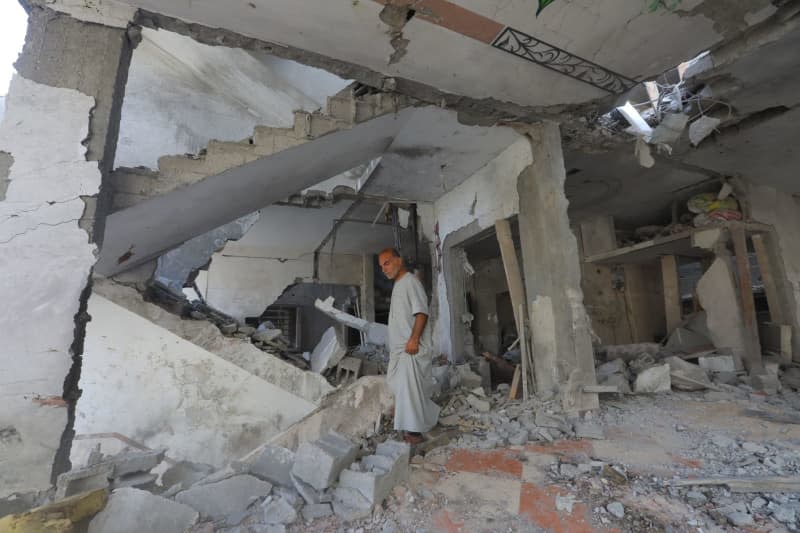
[(409, 374)]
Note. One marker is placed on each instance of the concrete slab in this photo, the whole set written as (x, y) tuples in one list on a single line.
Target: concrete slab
[(226, 497), (328, 352), (133, 511)]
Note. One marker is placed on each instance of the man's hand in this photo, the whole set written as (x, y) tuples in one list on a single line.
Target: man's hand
[(412, 346)]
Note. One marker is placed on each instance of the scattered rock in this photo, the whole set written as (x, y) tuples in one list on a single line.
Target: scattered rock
[(696, 498), (784, 514), (316, 510), (616, 509), (752, 447), (740, 519)]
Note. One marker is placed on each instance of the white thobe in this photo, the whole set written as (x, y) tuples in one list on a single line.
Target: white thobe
[(409, 376)]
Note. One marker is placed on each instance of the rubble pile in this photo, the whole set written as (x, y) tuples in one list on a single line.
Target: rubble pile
[(267, 491)]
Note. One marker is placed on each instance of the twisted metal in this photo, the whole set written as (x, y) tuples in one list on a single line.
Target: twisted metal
[(536, 51)]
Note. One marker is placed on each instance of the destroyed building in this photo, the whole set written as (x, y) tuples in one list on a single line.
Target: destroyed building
[(600, 198)]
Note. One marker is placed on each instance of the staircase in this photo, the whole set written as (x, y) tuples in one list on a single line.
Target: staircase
[(344, 110)]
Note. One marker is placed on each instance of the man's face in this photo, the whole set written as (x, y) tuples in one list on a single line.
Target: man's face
[(390, 265)]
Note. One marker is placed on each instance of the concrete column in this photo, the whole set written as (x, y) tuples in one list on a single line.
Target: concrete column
[(563, 357), (59, 135), (368, 287)]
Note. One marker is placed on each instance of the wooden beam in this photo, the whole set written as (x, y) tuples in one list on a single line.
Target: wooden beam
[(511, 266), (672, 291), (523, 346), (513, 393), (768, 277), (753, 360)]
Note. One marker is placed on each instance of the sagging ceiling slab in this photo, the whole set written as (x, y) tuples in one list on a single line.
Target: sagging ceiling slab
[(571, 52), (425, 153)]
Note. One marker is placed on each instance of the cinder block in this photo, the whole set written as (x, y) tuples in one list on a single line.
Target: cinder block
[(349, 504), (378, 474), (274, 465), (309, 493), (319, 463)]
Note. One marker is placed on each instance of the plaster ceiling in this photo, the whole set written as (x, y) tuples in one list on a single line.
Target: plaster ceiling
[(450, 41)]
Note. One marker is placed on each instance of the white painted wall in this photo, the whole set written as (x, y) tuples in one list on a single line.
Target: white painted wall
[(488, 195), (143, 382), (181, 94), (45, 259)]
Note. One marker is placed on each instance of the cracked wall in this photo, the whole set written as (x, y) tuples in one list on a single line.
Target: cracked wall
[(46, 260)]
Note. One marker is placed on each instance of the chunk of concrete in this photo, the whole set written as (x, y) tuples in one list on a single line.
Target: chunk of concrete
[(687, 376), (653, 380), (329, 351), (273, 464), (375, 333), (132, 510), (84, 480), (717, 363), (279, 511), (226, 497), (628, 352), (378, 474), (306, 491), (349, 504), (319, 463), (767, 383), (316, 510), (140, 480), (620, 381), (687, 341), (131, 461)]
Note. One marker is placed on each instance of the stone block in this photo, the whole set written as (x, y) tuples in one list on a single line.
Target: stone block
[(274, 464), (687, 376), (328, 352), (652, 380), (319, 463), (222, 498), (349, 504), (129, 462), (316, 510), (132, 510), (717, 363), (84, 480)]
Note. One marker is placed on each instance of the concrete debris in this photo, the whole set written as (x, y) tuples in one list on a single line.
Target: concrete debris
[(717, 363), (684, 340), (588, 430), (132, 510), (317, 510), (616, 509), (349, 504), (279, 511), (376, 475), (306, 491), (223, 498), (565, 503), (628, 352), (615, 366), (617, 380), (766, 383), (84, 479), (670, 130), (653, 380), (702, 128), (329, 351), (687, 376), (273, 464), (319, 463), (139, 480)]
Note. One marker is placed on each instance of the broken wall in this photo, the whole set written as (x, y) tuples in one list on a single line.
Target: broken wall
[(489, 282), (146, 384), (181, 94), (250, 274), (486, 196)]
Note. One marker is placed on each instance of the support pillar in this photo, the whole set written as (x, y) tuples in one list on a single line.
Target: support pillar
[(563, 355), (59, 132)]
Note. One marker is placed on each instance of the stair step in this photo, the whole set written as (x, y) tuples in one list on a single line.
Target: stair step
[(269, 140), (181, 166), (313, 125)]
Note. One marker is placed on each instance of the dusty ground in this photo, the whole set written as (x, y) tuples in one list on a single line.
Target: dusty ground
[(565, 486)]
